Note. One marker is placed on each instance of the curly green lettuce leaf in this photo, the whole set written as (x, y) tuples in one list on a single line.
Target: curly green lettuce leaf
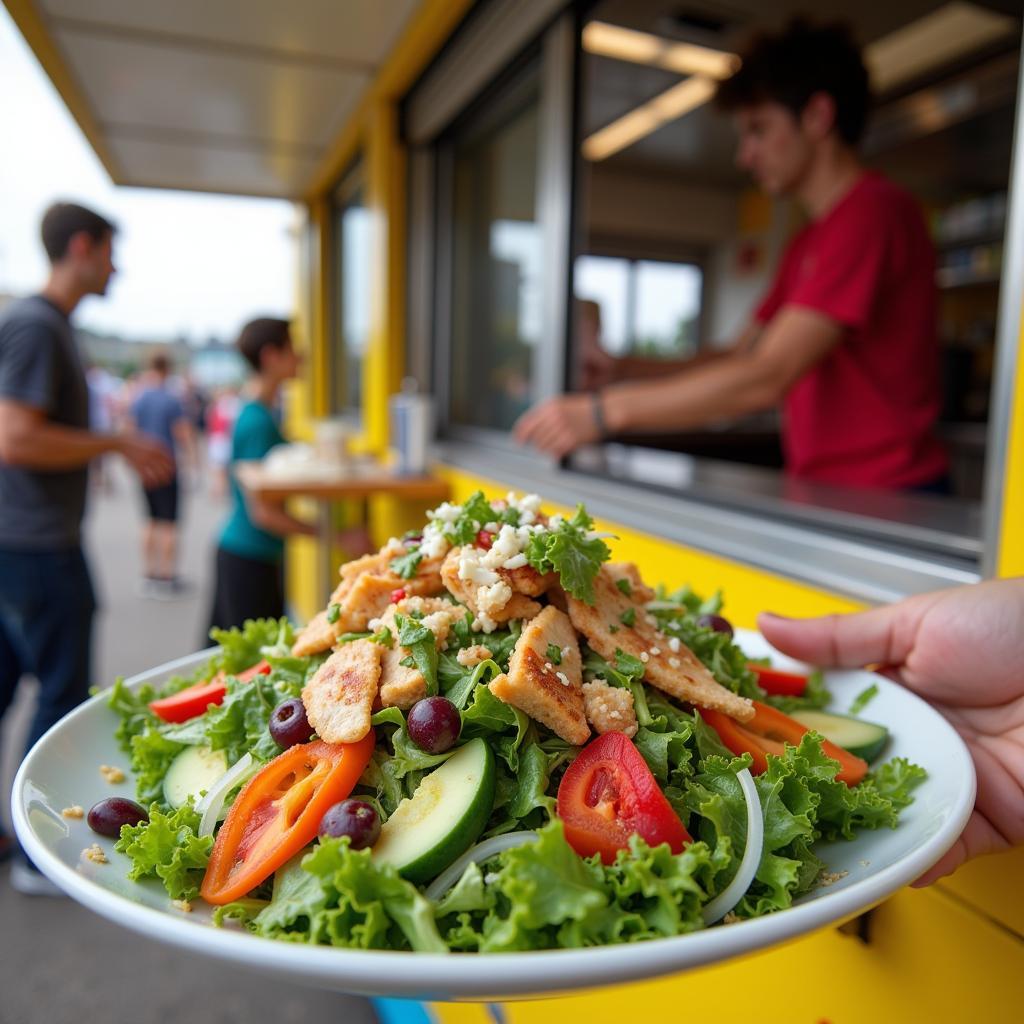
[(568, 550), (167, 847), (240, 648), (543, 896), (151, 756), (338, 896)]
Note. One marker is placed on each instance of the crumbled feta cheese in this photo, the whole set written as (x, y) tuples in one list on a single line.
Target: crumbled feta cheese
[(673, 644), (446, 512), (562, 678), (515, 562), (645, 657), (655, 651), (565, 651), (471, 569), (549, 666), (673, 663), (650, 620), (491, 599), (374, 625)]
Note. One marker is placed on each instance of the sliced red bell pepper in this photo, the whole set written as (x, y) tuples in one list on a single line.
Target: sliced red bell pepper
[(779, 684), (278, 812), (608, 794), (195, 699), (768, 732)]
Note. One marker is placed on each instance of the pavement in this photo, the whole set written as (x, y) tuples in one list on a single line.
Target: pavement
[(59, 962)]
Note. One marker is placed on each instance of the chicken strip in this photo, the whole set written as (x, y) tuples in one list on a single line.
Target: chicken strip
[(339, 698), (679, 673), (545, 686)]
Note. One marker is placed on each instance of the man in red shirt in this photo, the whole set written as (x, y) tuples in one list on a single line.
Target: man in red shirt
[(845, 339)]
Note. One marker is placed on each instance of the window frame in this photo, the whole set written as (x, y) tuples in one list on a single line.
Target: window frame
[(351, 184)]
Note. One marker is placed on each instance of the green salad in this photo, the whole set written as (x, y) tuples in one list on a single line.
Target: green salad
[(493, 738)]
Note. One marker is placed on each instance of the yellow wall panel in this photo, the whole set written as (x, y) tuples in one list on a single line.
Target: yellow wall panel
[(1011, 539), (995, 886)]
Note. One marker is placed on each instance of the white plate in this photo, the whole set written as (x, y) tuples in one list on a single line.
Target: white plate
[(62, 769)]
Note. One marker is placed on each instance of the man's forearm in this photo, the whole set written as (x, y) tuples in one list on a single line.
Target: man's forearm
[(51, 446), (726, 388)]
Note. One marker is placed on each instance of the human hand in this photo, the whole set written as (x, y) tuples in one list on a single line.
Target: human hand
[(963, 651), (148, 457), (559, 425)]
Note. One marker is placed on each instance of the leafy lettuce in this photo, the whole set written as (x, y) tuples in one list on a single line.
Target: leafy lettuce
[(570, 550), (167, 847)]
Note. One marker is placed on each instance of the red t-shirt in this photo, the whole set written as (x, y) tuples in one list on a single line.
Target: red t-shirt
[(865, 415)]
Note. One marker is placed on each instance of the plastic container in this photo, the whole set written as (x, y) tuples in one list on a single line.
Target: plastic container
[(412, 428)]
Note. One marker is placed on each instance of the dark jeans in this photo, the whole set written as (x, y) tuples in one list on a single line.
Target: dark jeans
[(246, 588), (47, 605)]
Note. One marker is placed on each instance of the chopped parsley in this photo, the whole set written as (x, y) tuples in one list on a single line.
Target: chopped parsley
[(407, 564), (863, 699), (422, 646), (333, 612), (383, 637), (554, 654), (625, 586), (628, 617)]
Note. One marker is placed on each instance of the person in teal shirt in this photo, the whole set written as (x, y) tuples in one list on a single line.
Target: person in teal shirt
[(250, 552)]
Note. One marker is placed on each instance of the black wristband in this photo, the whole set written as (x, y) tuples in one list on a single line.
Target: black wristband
[(599, 420)]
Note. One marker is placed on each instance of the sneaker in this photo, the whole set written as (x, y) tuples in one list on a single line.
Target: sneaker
[(30, 881), (168, 590)]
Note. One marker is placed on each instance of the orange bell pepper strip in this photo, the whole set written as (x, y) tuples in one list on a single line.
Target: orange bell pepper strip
[(768, 732), (278, 812)]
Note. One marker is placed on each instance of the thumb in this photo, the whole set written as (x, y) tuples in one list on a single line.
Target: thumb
[(841, 640)]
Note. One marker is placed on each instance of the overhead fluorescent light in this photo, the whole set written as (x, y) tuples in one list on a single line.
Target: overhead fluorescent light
[(937, 38), (649, 117), (606, 40)]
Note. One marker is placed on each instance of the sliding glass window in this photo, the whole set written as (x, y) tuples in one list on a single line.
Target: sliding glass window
[(352, 244), (497, 259)]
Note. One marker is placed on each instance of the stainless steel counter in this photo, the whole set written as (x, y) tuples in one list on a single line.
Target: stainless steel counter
[(870, 545)]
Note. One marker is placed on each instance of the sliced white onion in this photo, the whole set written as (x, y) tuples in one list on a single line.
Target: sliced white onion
[(474, 855), (664, 606), (211, 805), (733, 892)]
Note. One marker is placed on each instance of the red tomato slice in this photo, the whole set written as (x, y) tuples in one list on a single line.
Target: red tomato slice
[(607, 794), (195, 699), (779, 684), (768, 732), (278, 813)]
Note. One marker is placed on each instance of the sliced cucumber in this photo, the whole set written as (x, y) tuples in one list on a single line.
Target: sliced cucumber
[(443, 818), (864, 739), (194, 770)]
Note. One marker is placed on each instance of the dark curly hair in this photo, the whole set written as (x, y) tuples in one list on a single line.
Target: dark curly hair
[(789, 67)]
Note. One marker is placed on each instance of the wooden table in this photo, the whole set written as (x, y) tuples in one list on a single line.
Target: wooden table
[(360, 482)]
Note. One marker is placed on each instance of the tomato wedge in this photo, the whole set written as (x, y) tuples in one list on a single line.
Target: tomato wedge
[(767, 733), (195, 699), (607, 794), (779, 684), (278, 812)]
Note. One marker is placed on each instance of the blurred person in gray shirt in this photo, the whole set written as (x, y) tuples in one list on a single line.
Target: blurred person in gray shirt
[(47, 600)]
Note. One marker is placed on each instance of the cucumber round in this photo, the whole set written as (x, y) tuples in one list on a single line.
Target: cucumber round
[(192, 772), (865, 740), (443, 818)]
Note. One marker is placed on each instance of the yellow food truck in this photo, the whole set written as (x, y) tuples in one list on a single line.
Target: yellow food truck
[(473, 177)]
